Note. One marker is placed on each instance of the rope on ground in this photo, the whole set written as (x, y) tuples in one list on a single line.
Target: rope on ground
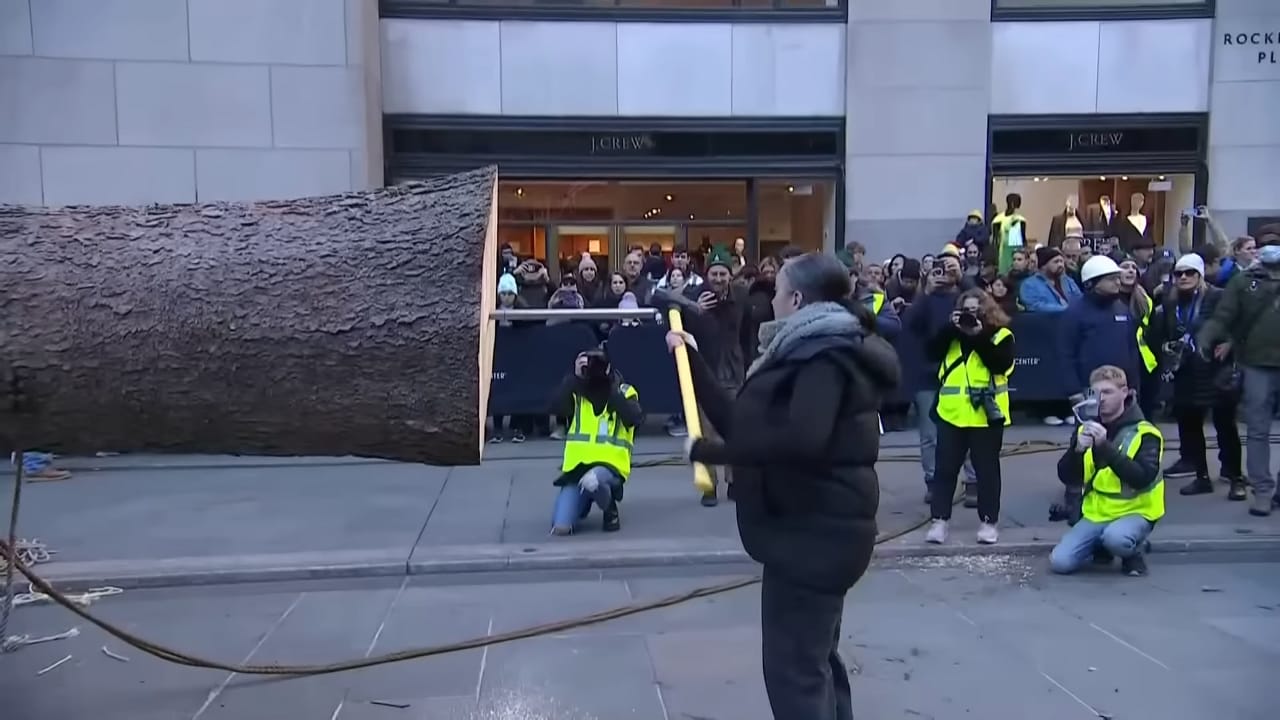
[(178, 657)]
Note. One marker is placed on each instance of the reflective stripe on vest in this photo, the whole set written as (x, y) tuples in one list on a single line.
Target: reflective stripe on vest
[(954, 405), (599, 439), (1148, 358), (1106, 498)]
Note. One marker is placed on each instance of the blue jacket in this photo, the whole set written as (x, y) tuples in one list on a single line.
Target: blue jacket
[(1036, 295), (923, 319), (1096, 332)]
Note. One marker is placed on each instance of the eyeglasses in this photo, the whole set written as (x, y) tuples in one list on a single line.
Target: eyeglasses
[(1185, 273)]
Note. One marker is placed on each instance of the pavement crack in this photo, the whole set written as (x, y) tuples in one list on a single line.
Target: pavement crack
[(408, 561), (506, 508)]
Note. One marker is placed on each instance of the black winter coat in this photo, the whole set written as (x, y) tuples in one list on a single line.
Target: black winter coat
[(1194, 383), (802, 438)]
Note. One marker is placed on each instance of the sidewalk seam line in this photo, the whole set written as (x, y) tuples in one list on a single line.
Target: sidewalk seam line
[(408, 561)]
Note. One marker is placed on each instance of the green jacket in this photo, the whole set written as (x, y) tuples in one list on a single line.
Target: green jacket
[(1249, 315)]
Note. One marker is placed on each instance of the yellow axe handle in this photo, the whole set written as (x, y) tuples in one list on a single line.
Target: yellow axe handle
[(701, 473)]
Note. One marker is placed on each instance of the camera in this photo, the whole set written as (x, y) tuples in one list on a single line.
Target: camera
[(985, 400), (967, 320), (1084, 405), (597, 365)]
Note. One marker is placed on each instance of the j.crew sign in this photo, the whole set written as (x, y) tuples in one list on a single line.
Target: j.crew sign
[(622, 144), (1094, 141)]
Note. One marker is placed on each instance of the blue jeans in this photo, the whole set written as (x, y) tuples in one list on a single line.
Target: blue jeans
[(599, 485), (33, 462), (1121, 537)]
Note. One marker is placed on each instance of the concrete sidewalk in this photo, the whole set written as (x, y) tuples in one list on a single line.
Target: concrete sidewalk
[(151, 520)]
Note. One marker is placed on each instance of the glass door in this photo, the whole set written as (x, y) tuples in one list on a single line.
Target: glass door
[(573, 240)]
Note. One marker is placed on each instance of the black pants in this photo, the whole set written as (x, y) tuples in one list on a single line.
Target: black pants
[(1149, 393), (800, 637), (1191, 438), (982, 445)]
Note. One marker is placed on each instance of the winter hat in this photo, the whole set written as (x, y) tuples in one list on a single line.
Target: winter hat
[(1045, 255), (1190, 261), (950, 249), (975, 214), (507, 283), (720, 256), (586, 262)]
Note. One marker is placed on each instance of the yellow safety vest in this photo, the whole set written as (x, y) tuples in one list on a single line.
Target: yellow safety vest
[(875, 301), (1106, 498), (599, 439), (958, 374), (1148, 358)]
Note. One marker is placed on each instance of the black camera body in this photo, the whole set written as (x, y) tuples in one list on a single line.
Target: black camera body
[(967, 320), (985, 399), (597, 365)]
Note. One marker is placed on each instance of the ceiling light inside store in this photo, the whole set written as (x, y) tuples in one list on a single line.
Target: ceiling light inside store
[(1124, 177), (690, 216), (1035, 179), (1160, 178), (519, 192), (670, 197), (791, 188), (1103, 178)]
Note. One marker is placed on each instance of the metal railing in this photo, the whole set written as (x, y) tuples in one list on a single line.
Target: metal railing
[(600, 314)]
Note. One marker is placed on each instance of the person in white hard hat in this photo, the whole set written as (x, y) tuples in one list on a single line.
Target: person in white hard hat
[(1099, 329), (1198, 383)]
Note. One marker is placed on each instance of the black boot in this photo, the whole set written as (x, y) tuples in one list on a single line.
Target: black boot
[(612, 520), (1134, 565), (1200, 486), (971, 495), (1102, 556), (1239, 490), (1181, 468)]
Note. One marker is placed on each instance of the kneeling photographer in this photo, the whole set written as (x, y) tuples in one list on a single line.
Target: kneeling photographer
[(603, 414), (975, 352)]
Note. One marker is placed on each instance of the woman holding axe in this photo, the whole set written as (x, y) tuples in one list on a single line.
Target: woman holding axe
[(802, 437)]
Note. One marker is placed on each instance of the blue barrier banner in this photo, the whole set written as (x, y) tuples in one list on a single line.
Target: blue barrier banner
[(530, 360)]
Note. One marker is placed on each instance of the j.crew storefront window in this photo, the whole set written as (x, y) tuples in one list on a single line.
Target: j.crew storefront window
[(641, 8), (562, 219)]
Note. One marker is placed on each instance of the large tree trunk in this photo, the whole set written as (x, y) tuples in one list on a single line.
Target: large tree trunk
[(354, 324)]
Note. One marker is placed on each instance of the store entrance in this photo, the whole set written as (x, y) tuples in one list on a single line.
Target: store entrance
[(558, 220)]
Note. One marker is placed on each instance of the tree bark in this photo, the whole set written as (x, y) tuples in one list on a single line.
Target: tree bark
[(354, 324)]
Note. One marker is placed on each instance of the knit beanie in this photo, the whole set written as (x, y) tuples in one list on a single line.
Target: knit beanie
[(720, 256), (586, 262), (507, 283), (1045, 255)]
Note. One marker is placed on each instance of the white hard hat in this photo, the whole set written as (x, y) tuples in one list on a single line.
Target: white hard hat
[(1098, 266)]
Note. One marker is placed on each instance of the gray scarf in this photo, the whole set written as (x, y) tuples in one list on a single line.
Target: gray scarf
[(779, 338)]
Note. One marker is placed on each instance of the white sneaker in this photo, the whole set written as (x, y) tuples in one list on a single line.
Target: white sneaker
[(988, 534), (1053, 420), (937, 534)]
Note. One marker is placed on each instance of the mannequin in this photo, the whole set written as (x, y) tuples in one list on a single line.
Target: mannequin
[(1135, 230), (1066, 223), (1009, 230), (1101, 218)]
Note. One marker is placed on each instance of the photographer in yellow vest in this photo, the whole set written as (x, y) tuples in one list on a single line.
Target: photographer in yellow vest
[(603, 414), (975, 355), (1113, 468)]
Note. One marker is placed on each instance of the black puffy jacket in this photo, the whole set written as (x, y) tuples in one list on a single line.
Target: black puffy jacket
[(803, 438)]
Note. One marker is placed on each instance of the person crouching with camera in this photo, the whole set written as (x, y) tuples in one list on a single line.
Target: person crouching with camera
[(603, 414), (975, 352), (1113, 464)]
